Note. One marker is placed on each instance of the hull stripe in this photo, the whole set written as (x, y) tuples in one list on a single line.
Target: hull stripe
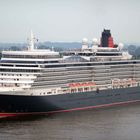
[(67, 110)]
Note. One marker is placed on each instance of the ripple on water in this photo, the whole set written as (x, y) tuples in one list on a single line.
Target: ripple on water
[(113, 123)]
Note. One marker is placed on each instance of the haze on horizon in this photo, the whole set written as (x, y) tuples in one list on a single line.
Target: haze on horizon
[(63, 20)]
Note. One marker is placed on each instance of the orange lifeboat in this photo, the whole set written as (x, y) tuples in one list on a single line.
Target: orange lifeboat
[(82, 84)]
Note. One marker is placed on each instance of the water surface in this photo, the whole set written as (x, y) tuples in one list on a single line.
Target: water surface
[(112, 123)]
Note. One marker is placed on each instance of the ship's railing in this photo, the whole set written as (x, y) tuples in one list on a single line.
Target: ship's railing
[(70, 72), (121, 83), (61, 81), (84, 87)]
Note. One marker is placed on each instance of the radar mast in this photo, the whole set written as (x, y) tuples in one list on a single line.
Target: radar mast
[(31, 40)]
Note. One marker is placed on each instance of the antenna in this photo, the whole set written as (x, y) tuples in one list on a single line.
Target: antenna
[(52, 48), (32, 39)]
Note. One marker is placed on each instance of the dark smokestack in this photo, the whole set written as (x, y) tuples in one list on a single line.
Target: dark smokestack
[(106, 39)]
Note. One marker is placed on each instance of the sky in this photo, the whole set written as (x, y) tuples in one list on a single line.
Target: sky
[(69, 20)]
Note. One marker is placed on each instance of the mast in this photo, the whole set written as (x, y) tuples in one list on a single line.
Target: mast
[(31, 42)]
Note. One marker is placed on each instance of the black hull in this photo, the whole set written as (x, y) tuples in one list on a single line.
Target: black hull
[(11, 105)]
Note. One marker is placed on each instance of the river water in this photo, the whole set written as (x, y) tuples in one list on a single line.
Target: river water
[(112, 123)]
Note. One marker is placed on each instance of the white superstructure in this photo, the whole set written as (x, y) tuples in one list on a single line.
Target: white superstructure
[(44, 72), (19, 69)]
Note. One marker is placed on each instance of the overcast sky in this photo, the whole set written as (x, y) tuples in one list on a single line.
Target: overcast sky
[(69, 20)]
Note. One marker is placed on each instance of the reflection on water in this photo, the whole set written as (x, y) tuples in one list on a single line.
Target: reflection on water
[(113, 123)]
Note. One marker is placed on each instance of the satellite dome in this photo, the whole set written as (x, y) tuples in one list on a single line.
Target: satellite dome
[(121, 45), (95, 41), (85, 40)]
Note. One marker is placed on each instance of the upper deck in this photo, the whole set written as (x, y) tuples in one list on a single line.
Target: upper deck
[(37, 68)]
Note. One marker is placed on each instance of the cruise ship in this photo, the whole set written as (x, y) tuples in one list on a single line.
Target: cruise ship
[(42, 81)]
